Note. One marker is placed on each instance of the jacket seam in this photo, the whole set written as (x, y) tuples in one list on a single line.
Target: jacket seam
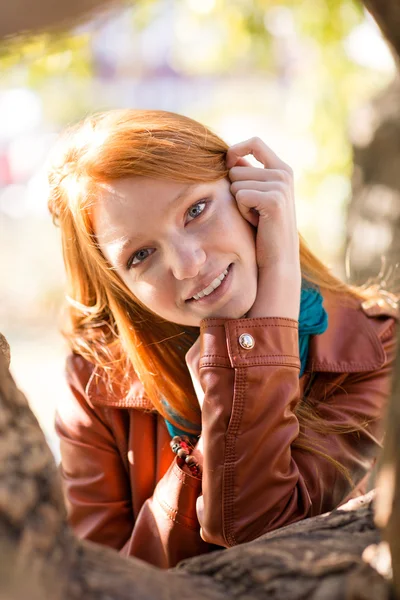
[(386, 334), (255, 325), (262, 326), (184, 478), (255, 357), (343, 368), (141, 403), (288, 319), (216, 364), (264, 363), (109, 414), (230, 457), (174, 516)]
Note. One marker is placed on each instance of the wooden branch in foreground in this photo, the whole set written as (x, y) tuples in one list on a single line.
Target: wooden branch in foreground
[(388, 480), (387, 15), (5, 349), (318, 558), (22, 17)]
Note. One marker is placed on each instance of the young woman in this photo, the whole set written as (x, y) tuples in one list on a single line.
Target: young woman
[(195, 309)]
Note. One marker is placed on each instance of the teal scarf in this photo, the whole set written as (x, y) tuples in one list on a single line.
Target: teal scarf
[(313, 320)]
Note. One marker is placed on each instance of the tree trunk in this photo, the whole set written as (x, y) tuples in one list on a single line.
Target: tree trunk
[(387, 15), (388, 480), (318, 558), (20, 17), (375, 209), (373, 226)]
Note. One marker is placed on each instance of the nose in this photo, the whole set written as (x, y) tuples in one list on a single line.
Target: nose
[(186, 258)]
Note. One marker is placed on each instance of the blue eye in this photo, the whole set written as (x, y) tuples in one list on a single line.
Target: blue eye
[(196, 210), (138, 257)]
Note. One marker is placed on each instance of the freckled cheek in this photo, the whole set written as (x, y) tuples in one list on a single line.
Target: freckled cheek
[(144, 292), (222, 227), (236, 229), (155, 297)]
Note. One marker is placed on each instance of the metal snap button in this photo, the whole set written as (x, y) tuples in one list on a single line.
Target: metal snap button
[(246, 341)]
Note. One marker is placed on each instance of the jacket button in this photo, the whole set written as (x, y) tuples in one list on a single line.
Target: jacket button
[(246, 341)]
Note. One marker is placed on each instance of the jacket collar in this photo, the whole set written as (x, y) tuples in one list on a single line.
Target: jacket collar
[(350, 344), (99, 394)]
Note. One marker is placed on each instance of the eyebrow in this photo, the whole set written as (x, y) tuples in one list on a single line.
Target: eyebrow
[(128, 243)]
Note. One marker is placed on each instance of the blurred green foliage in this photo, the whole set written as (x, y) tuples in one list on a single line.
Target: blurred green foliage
[(242, 43), (245, 41), (43, 56), (226, 37)]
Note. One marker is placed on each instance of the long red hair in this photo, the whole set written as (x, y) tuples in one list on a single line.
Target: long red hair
[(105, 323)]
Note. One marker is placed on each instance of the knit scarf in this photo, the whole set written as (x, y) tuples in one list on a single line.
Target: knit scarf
[(313, 320)]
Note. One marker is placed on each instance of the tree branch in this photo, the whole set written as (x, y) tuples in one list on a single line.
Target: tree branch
[(387, 15)]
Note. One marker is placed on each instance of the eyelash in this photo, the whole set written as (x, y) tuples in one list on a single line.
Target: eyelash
[(130, 262)]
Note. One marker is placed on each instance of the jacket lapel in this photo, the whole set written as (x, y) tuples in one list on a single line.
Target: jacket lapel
[(100, 394), (351, 343)]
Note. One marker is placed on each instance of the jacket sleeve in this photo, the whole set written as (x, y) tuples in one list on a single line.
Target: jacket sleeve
[(97, 488), (255, 478), (95, 482)]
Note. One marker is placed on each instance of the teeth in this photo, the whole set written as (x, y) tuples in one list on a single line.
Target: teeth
[(213, 285)]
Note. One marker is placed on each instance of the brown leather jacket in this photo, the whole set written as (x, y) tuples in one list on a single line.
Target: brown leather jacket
[(125, 490)]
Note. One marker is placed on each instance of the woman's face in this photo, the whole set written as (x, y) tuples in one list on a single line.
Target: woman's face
[(183, 250)]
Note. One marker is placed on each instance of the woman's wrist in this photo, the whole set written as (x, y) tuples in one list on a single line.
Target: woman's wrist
[(278, 293)]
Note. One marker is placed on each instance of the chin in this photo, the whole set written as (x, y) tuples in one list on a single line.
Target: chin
[(234, 312)]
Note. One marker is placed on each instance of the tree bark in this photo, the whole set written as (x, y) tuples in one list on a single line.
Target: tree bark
[(373, 223), (387, 514), (375, 210), (5, 349), (318, 558), (20, 17), (387, 15)]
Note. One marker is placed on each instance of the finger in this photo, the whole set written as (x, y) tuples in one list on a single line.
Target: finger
[(242, 162), (258, 174), (248, 212), (260, 186), (259, 150), (266, 204)]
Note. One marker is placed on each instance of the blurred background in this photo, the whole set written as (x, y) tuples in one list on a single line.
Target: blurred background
[(313, 78)]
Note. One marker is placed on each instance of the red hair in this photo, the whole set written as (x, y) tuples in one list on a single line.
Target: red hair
[(106, 324)]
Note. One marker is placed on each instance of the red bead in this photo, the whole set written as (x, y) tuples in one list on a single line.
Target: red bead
[(185, 447)]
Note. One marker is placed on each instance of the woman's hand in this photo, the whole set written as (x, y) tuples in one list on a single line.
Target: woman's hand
[(265, 198)]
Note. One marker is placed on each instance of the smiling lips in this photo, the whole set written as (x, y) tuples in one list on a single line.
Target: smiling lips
[(213, 285)]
